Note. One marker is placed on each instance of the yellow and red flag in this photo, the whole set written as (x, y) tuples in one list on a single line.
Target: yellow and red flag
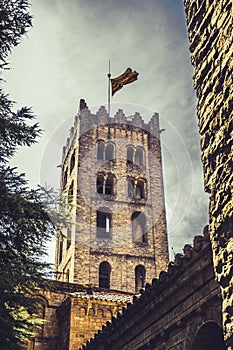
[(126, 78)]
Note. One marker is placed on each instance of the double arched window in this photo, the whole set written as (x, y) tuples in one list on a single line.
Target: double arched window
[(139, 234), (103, 223), (105, 151), (104, 275), (137, 188), (135, 156), (140, 277), (105, 184)]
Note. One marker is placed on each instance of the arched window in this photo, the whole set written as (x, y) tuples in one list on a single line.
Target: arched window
[(109, 187), (109, 152), (104, 275), (72, 161), (103, 223), (139, 157), (139, 227), (100, 183), (100, 150), (140, 276), (130, 152), (140, 190), (130, 182), (209, 337)]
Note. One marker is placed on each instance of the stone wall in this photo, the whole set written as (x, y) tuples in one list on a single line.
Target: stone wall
[(72, 314), (210, 33), (181, 310)]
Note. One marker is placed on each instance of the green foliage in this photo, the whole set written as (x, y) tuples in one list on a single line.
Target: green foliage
[(25, 225)]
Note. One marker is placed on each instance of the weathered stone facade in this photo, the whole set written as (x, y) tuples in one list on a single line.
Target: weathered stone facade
[(73, 314), (180, 310), (186, 307), (112, 175), (210, 30)]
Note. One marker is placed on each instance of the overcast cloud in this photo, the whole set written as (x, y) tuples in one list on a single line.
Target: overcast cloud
[(65, 58)]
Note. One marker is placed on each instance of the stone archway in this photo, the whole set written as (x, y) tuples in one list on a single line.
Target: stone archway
[(209, 337)]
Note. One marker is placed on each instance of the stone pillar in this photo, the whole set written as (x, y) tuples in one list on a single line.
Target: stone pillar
[(210, 33)]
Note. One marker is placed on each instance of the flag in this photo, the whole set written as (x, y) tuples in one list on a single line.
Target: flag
[(126, 78)]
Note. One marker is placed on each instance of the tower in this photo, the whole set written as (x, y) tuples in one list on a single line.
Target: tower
[(113, 185)]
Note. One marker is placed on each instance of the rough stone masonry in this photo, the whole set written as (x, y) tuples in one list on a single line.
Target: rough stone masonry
[(210, 33)]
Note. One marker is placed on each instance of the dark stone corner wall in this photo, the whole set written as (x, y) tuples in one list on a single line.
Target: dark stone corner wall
[(209, 24)]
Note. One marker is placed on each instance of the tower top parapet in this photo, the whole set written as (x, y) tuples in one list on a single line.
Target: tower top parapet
[(85, 120)]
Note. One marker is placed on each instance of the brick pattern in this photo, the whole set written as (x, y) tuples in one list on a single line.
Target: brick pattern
[(210, 32), (80, 262)]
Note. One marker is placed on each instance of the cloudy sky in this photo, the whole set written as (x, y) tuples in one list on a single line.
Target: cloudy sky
[(65, 58)]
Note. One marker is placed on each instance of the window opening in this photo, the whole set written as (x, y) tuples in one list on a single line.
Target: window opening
[(104, 223), (100, 184), (109, 188), (109, 154), (140, 274), (139, 234), (130, 188), (140, 190), (130, 152), (104, 275), (100, 150), (139, 156)]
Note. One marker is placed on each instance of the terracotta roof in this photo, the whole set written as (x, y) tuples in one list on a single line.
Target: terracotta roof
[(108, 296)]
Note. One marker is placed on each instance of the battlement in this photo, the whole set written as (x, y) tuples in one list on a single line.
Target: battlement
[(85, 120)]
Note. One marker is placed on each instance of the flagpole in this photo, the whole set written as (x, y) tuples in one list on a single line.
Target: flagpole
[(109, 82)]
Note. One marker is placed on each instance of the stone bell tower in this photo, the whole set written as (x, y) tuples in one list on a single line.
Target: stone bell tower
[(113, 184)]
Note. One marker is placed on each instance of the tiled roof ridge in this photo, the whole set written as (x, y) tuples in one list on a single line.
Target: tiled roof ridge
[(200, 242), (108, 296)]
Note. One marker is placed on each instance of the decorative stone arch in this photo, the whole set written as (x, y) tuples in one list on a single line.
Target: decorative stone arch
[(104, 275), (209, 316), (108, 314), (209, 337), (82, 311), (91, 312), (140, 277), (100, 312)]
